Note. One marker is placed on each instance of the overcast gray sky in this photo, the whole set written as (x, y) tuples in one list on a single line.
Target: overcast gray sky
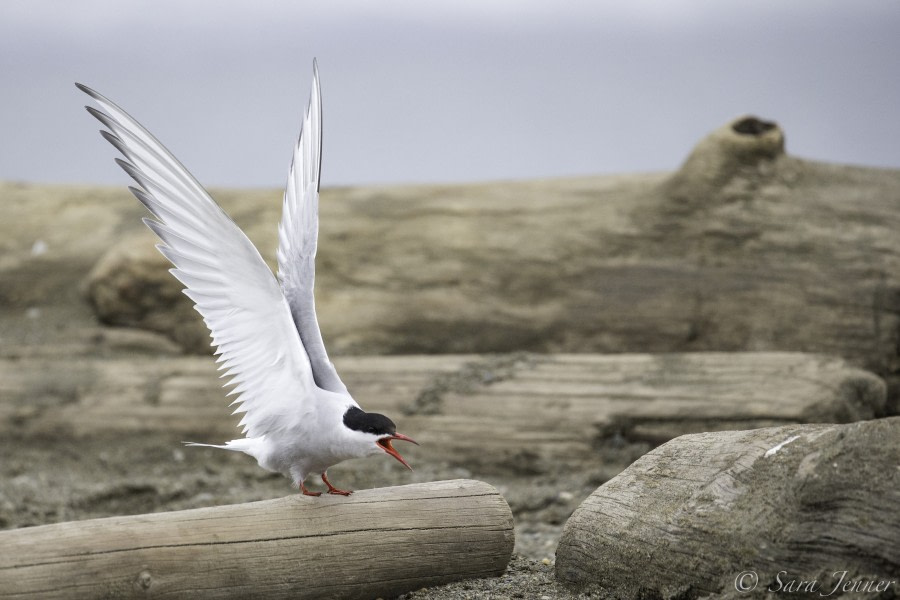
[(434, 91)]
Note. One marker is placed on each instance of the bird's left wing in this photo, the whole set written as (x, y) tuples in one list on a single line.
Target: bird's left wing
[(298, 238), (224, 274)]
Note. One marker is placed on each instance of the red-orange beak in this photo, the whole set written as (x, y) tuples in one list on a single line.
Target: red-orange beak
[(385, 444)]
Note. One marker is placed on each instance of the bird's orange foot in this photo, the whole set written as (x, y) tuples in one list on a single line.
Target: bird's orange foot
[(334, 490), (306, 492)]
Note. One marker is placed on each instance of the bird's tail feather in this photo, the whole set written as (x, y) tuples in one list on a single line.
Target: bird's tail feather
[(242, 445)]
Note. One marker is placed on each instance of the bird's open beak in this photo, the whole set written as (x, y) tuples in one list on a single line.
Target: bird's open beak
[(385, 444)]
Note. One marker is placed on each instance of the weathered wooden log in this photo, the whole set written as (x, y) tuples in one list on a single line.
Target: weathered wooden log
[(743, 248), (375, 543), (735, 511), (527, 413)]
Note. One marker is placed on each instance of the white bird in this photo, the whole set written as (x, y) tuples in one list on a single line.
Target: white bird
[(299, 419)]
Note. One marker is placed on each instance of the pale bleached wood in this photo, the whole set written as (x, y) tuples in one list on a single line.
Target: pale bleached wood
[(687, 518), (736, 251), (376, 543), (752, 251), (82, 395), (552, 410)]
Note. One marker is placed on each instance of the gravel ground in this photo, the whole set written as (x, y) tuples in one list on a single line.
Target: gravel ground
[(54, 479), (524, 578)]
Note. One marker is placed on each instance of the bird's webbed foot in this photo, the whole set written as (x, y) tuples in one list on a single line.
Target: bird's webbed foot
[(306, 492), (334, 490)]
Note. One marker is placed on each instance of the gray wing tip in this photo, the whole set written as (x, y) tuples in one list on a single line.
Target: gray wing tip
[(86, 90), (100, 116), (315, 84), (132, 171), (126, 166), (114, 140), (145, 199), (153, 225), (315, 92), (93, 93)]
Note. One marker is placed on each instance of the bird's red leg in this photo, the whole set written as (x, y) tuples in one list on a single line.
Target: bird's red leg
[(334, 490), (306, 492)]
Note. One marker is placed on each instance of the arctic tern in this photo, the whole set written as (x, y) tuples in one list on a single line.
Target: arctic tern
[(299, 419)]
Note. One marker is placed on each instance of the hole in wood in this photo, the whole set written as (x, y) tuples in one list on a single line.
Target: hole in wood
[(753, 126)]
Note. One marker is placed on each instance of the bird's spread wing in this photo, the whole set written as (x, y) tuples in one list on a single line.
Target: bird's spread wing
[(297, 239), (224, 274)]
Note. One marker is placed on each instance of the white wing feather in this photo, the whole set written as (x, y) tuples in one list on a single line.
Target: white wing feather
[(233, 289), (298, 238)]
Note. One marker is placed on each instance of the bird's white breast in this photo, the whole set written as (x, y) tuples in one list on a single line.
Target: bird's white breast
[(317, 441)]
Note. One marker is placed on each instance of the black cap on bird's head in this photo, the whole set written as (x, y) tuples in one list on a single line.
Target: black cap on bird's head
[(378, 425)]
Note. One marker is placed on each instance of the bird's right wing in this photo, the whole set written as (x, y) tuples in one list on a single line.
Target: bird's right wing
[(224, 274)]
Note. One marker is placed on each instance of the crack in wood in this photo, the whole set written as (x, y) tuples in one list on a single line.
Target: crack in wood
[(468, 379)]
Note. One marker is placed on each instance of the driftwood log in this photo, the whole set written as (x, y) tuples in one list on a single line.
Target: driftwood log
[(732, 512), (509, 413), (376, 543), (743, 248)]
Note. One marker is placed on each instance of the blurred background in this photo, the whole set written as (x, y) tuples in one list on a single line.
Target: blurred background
[(444, 91), (570, 301)]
